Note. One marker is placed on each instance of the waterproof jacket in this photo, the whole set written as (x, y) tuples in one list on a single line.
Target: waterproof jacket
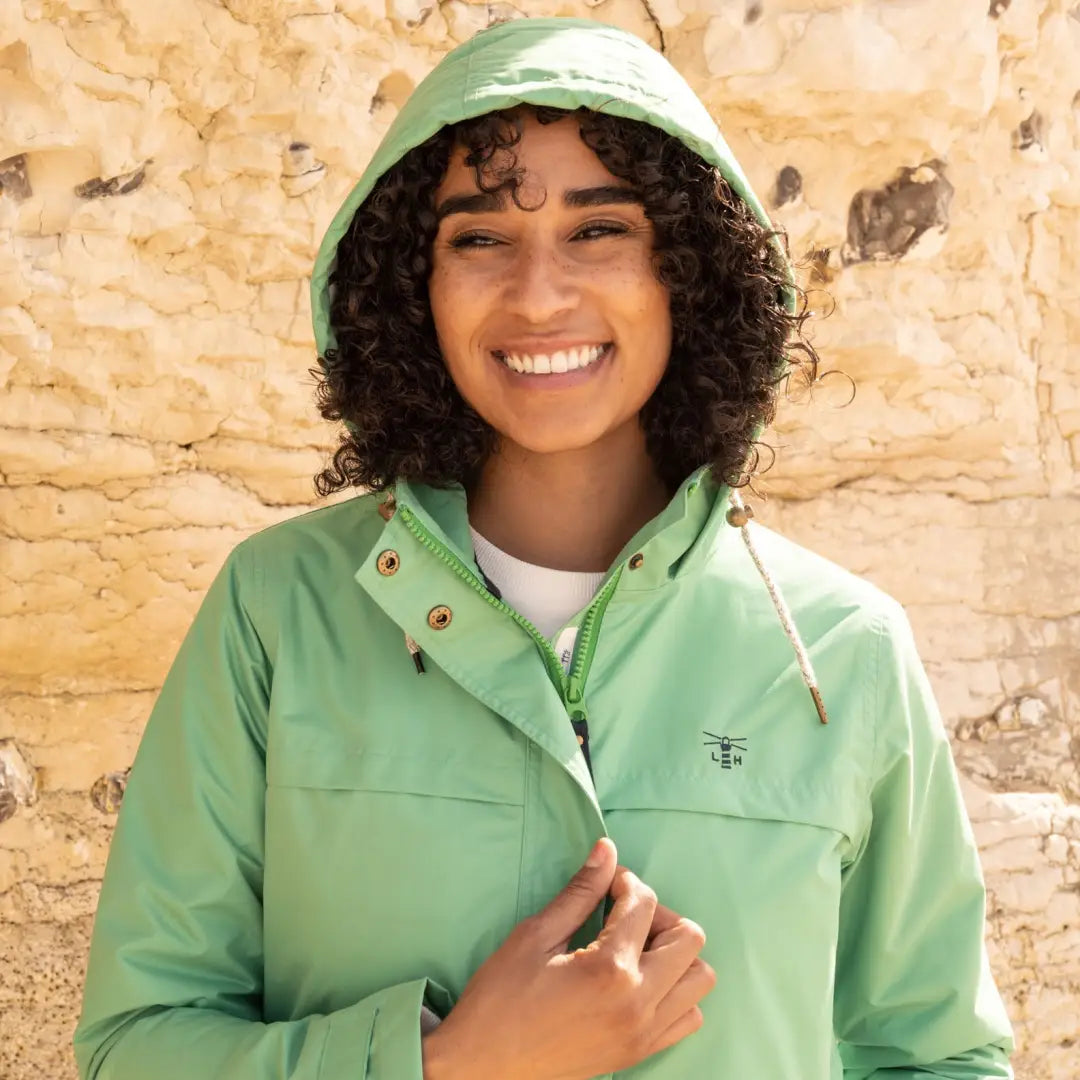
[(317, 838)]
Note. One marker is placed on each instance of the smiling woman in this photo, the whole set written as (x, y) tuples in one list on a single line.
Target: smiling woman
[(561, 220), (539, 759)]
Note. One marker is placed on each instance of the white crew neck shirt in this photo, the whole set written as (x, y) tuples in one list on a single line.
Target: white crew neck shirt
[(547, 598)]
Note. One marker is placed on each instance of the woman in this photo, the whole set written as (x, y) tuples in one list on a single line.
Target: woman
[(554, 318)]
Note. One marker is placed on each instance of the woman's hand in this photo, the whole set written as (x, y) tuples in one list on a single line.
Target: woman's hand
[(533, 1011)]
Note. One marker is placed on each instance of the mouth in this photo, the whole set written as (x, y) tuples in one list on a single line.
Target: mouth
[(549, 365)]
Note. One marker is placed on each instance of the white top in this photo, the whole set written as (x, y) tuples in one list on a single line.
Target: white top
[(546, 597)]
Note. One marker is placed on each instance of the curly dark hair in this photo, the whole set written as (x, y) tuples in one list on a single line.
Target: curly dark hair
[(386, 376)]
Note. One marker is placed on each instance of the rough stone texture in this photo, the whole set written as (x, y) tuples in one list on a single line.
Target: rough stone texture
[(166, 171)]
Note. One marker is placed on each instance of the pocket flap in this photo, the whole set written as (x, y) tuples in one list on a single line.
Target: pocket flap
[(322, 761), (830, 803)]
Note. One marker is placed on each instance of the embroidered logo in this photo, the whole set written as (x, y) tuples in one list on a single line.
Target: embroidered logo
[(731, 750)]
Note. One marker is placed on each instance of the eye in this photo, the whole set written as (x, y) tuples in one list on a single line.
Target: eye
[(473, 240), (599, 229)]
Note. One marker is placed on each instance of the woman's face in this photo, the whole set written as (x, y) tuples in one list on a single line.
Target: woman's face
[(551, 321)]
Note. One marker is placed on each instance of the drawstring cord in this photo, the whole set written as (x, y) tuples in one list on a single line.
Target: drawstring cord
[(739, 517)]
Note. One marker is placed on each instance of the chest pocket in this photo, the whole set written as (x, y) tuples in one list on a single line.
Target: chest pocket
[(416, 853), (735, 849)]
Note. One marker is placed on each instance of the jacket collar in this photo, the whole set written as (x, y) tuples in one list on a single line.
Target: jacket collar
[(667, 547)]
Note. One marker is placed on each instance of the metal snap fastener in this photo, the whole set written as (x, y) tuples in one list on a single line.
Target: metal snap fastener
[(636, 560), (439, 617), (388, 562), (738, 516)]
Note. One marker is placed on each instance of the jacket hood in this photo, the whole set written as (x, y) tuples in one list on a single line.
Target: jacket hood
[(561, 62)]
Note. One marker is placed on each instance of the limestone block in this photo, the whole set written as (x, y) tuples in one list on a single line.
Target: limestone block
[(876, 55), (882, 537), (70, 459), (40, 1015), (106, 616), (73, 740), (276, 476), (464, 19)]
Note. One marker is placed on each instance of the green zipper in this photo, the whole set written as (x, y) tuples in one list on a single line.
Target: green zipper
[(585, 648), (572, 688)]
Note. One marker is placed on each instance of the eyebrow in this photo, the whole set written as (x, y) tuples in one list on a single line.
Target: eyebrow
[(486, 202)]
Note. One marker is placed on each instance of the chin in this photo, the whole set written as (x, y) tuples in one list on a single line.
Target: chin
[(536, 440)]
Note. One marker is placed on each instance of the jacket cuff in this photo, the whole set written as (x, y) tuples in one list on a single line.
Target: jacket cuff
[(378, 1038)]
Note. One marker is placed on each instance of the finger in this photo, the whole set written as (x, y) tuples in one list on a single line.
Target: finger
[(681, 931), (664, 919), (688, 990), (672, 957), (687, 1024), (627, 926), (576, 901)]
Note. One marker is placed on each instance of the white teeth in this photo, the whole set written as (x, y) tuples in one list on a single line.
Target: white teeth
[(555, 363)]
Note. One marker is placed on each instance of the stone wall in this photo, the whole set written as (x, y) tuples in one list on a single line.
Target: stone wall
[(166, 171)]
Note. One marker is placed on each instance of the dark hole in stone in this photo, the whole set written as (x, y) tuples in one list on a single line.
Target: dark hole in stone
[(998, 7), (14, 180), (8, 804), (885, 223), (100, 188), (788, 185), (422, 17), (754, 9), (296, 147), (1030, 131), (820, 271), (107, 792)]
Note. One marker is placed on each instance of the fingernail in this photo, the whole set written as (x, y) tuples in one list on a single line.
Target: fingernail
[(596, 856)]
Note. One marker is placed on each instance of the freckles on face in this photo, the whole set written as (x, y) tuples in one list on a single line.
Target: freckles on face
[(550, 319)]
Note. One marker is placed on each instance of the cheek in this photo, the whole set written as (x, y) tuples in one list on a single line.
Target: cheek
[(451, 310), (646, 302)]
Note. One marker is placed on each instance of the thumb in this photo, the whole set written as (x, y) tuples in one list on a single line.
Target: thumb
[(578, 899)]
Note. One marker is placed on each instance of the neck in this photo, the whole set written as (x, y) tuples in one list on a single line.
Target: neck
[(572, 510)]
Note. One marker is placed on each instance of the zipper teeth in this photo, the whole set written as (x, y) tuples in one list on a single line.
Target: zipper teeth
[(579, 670), (554, 665)]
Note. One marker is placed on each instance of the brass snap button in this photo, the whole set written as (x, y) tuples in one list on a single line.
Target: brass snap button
[(388, 562), (636, 561), (439, 617)]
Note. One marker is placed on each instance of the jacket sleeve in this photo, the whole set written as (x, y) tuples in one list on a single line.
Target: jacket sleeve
[(914, 992), (174, 984)]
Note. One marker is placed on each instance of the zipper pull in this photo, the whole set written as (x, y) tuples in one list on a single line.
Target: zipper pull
[(580, 723), (579, 716), (575, 694)]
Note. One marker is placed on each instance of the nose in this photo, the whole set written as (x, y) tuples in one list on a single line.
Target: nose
[(540, 285)]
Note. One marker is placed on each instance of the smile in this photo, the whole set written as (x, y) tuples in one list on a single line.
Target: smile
[(556, 363)]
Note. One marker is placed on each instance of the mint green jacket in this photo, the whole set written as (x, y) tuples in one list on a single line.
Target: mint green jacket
[(317, 838)]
